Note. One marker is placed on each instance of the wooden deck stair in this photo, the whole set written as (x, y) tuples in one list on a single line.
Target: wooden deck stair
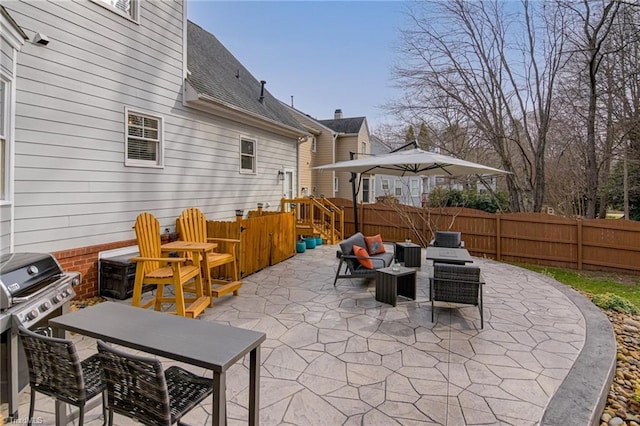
[(317, 217)]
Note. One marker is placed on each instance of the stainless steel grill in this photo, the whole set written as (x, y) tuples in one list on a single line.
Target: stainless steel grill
[(33, 288)]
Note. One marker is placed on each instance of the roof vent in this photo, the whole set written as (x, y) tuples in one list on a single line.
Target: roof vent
[(338, 114), (262, 83)]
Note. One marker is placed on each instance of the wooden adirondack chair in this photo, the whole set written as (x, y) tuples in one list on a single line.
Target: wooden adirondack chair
[(154, 268), (192, 226)]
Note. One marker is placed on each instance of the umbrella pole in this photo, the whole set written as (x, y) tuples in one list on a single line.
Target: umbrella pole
[(354, 196)]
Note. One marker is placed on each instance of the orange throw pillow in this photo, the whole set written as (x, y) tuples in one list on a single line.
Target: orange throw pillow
[(374, 244), (362, 252)]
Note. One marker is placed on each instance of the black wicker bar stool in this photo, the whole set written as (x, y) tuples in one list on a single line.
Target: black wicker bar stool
[(56, 370), (138, 388)]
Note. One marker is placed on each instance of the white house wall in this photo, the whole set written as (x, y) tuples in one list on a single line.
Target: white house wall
[(71, 186)]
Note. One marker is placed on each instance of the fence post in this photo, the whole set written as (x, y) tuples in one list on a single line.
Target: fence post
[(579, 241), (498, 238)]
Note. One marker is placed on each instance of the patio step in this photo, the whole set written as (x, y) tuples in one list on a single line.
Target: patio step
[(197, 307), (227, 288)]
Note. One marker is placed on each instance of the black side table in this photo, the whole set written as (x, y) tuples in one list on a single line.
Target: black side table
[(409, 253), (390, 284)]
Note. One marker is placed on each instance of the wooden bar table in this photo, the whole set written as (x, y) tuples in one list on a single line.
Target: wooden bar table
[(208, 345), (197, 248)]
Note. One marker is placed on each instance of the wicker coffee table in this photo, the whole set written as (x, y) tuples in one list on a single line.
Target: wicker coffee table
[(408, 253)]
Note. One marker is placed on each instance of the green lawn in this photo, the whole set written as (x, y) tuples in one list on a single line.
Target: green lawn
[(626, 286)]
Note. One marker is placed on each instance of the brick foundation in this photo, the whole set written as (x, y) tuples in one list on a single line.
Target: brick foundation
[(85, 261)]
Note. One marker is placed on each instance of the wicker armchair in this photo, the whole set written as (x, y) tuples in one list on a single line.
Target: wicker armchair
[(456, 284), (56, 371), (450, 239), (138, 388)]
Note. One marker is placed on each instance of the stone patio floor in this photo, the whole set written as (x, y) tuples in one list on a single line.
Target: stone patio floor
[(336, 356)]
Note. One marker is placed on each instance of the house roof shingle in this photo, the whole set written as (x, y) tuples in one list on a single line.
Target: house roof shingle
[(215, 72), (344, 125)]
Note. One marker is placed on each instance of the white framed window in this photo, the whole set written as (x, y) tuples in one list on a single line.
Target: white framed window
[(4, 140), (398, 188), (144, 140), (385, 185), (314, 144), (247, 155), (127, 8), (335, 184), (364, 147), (366, 190), (415, 187)]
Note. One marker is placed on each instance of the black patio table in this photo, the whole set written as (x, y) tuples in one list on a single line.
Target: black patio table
[(456, 256), (201, 343)]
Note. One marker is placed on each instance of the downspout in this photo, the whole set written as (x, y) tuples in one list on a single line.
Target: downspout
[(333, 161), (184, 42)]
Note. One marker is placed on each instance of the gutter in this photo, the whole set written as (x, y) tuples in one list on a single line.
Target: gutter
[(192, 97)]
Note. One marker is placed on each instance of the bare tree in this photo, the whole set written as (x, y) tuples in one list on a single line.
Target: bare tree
[(462, 56), (592, 24)]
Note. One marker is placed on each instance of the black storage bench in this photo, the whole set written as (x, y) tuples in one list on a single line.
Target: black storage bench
[(117, 275)]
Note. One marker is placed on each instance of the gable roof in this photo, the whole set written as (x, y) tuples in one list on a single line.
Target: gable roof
[(215, 73), (345, 125)]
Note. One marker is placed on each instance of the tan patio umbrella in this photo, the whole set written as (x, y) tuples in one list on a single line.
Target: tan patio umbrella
[(408, 162)]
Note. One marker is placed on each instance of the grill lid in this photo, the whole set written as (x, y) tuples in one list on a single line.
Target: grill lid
[(21, 271)]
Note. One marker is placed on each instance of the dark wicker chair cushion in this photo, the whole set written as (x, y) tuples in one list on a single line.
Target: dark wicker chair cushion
[(138, 388)]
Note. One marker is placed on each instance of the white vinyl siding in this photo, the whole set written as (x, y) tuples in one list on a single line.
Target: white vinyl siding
[(126, 8), (247, 155), (143, 144), (72, 187)]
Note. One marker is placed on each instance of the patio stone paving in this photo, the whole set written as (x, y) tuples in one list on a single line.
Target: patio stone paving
[(336, 356)]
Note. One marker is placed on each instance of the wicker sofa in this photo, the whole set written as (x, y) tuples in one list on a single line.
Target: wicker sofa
[(456, 284), (349, 262)]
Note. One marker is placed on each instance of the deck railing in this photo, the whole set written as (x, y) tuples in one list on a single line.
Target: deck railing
[(316, 216)]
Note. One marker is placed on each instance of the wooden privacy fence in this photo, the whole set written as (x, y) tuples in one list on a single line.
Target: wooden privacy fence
[(538, 238), (265, 239)]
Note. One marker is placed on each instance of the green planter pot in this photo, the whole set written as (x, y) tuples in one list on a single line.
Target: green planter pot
[(318, 241), (301, 246)]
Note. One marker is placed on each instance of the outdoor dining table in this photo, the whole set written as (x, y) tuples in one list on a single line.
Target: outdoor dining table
[(456, 256), (212, 346)]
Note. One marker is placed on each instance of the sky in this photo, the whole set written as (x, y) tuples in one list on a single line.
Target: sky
[(328, 55)]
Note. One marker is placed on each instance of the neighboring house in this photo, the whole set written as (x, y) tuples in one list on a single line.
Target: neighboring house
[(330, 141), (406, 189), (351, 136), (130, 108), (316, 149)]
